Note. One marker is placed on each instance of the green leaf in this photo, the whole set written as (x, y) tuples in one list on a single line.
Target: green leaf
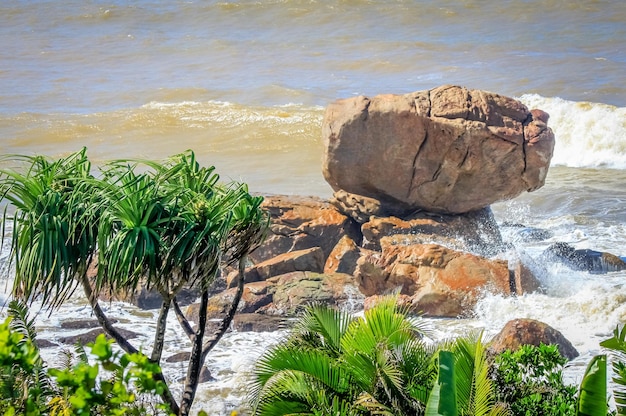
[(443, 400), (592, 400)]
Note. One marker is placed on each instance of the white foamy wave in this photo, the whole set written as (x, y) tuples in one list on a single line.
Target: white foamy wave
[(587, 134), (227, 114), (586, 313)]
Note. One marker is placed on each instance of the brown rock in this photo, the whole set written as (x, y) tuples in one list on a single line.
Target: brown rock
[(520, 332), (475, 231), (448, 150), (439, 280), (83, 323), (343, 258), (90, 337), (257, 322), (255, 296), (359, 207), (299, 223), (44, 343), (293, 291), (311, 259), (525, 275)]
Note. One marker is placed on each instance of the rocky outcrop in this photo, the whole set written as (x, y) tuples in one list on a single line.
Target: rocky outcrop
[(439, 262), (584, 259), (476, 231), (446, 150), (414, 176), (520, 332), (301, 222), (439, 281)]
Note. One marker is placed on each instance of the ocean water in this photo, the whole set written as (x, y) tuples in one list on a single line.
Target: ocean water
[(245, 83)]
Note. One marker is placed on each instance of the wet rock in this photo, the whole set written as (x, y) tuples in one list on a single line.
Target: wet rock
[(520, 332), (525, 276), (439, 280), (587, 260), (83, 323), (90, 337), (44, 343), (475, 231), (447, 150), (529, 234)]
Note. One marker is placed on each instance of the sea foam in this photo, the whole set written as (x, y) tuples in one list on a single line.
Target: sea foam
[(587, 134)]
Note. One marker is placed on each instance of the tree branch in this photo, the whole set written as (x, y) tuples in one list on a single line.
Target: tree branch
[(103, 320), (196, 360), (159, 336), (183, 321), (110, 330), (228, 319)]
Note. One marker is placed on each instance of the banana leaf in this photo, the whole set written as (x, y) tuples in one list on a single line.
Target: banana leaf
[(592, 399)]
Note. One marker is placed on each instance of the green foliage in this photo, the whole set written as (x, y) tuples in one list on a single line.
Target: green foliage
[(443, 398), (167, 225), (52, 236), (592, 398), (24, 382), (336, 364), (110, 386), (474, 388), (530, 381), (617, 346)]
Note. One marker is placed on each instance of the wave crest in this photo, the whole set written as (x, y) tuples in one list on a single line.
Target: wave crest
[(587, 134)]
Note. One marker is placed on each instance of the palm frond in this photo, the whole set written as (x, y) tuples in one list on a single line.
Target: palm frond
[(329, 324), (20, 321)]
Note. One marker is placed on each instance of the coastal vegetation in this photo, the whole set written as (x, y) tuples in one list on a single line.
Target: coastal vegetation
[(169, 226), (381, 364), (166, 225), (331, 364)]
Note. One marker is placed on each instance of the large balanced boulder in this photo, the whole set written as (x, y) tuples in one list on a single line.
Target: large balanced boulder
[(447, 150)]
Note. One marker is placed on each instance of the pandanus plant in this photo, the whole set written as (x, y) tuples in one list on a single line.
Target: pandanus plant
[(166, 225)]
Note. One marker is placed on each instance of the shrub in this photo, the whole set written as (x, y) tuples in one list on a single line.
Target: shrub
[(530, 381)]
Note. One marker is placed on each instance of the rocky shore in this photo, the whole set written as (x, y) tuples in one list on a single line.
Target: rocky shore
[(413, 177)]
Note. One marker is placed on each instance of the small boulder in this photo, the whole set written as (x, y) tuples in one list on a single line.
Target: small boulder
[(310, 259), (520, 332), (90, 337), (343, 258), (255, 296), (587, 260), (293, 291)]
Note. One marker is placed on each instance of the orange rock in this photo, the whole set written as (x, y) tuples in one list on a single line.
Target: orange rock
[(520, 332), (439, 280)]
